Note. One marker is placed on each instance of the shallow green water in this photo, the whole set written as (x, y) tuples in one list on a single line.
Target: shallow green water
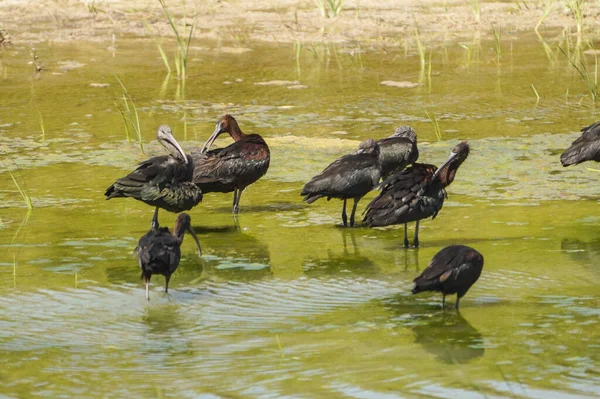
[(290, 304)]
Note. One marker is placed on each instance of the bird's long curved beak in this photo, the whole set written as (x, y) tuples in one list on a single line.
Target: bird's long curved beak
[(171, 140), (446, 162), (195, 237), (212, 138)]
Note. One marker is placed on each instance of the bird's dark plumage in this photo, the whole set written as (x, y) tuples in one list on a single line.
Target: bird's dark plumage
[(164, 181), (159, 251), (453, 270), (351, 176), (585, 148), (415, 193), (398, 151), (234, 167)]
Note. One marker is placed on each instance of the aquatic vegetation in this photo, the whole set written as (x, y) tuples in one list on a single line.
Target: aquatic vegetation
[(434, 122), (590, 78), (330, 8), (22, 189), (497, 33), (537, 96), (130, 118), (183, 45), (41, 120), (476, 6), (574, 7)]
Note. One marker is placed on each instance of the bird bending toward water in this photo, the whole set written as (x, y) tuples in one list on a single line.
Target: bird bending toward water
[(585, 148), (415, 193), (234, 167), (164, 181), (351, 176), (159, 251), (398, 151), (453, 270)]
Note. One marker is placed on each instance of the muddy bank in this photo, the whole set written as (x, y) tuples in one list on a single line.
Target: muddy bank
[(368, 22)]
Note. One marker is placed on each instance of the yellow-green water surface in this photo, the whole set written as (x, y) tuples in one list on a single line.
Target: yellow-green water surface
[(285, 303)]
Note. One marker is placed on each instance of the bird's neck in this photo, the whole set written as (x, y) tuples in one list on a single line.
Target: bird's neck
[(179, 232), (236, 133)]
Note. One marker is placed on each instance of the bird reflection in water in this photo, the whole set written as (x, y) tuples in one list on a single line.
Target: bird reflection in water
[(347, 262), (249, 259), (450, 337)]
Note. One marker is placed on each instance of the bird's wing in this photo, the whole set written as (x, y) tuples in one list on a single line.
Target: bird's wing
[(442, 265), (343, 174), (224, 164), (585, 148), (399, 192)]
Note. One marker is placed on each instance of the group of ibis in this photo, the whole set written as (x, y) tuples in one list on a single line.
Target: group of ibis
[(409, 192)]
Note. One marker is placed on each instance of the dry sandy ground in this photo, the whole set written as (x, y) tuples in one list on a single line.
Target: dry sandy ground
[(368, 22)]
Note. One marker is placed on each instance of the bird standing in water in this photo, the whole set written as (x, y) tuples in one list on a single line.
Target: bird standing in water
[(415, 193), (234, 167), (351, 176), (585, 148), (398, 151), (164, 181), (159, 251), (453, 270)]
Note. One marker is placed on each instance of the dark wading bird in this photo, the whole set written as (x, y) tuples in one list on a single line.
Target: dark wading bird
[(234, 167), (164, 181), (159, 250), (351, 176), (585, 148), (415, 193), (453, 270), (397, 151)]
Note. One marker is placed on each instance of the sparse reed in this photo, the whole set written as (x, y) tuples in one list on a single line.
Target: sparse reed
[(497, 33), (434, 122), (330, 8), (22, 190), (537, 96), (130, 118), (590, 79)]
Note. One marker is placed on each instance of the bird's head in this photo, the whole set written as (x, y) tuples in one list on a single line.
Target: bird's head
[(447, 171), (368, 146), (164, 135)]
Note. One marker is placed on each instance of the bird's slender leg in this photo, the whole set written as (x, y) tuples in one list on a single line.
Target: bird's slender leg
[(353, 211), (443, 301), (236, 207), (344, 216), (147, 288), (416, 240), (234, 198), (167, 278), (155, 224), (405, 235), (457, 301)]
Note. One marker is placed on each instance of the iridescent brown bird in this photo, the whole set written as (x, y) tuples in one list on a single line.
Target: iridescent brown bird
[(585, 148), (234, 167), (164, 181), (349, 177), (159, 251), (453, 270), (415, 193), (398, 151)]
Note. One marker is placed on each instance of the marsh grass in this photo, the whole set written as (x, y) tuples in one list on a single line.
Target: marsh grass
[(589, 78), (547, 11), (497, 34), (537, 96), (434, 122), (22, 188), (279, 345), (183, 45), (420, 47), (161, 50), (574, 7), (41, 121), (130, 118), (330, 8), (476, 6)]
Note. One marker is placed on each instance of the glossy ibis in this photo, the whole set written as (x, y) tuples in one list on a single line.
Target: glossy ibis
[(164, 181), (159, 250), (453, 270), (397, 151), (415, 193), (585, 148), (234, 167), (351, 176)]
